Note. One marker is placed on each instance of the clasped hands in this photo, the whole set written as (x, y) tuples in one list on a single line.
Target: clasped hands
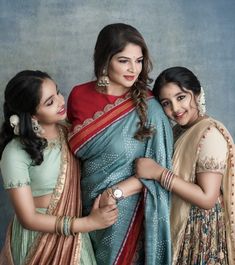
[(106, 199)]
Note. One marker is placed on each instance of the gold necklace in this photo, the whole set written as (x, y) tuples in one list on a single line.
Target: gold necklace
[(56, 142)]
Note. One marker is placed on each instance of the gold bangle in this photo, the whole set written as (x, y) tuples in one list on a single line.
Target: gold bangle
[(163, 176), (172, 183), (71, 226), (58, 219), (167, 177), (61, 226)]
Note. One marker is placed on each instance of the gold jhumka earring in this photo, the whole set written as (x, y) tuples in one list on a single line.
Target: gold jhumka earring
[(37, 128), (103, 80)]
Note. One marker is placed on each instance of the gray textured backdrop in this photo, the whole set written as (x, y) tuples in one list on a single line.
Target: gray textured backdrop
[(59, 37)]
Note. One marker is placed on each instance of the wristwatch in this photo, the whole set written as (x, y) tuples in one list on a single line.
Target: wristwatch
[(117, 193)]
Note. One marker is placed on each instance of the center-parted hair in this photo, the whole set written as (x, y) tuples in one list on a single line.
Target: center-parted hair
[(113, 39), (180, 76), (22, 97)]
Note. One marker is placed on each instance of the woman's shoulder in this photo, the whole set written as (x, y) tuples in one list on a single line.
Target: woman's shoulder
[(84, 87), (213, 149), (14, 165), (218, 129), (214, 134), (14, 151), (14, 145)]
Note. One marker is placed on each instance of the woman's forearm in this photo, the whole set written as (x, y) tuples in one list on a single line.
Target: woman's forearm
[(130, 186), (203, 196)]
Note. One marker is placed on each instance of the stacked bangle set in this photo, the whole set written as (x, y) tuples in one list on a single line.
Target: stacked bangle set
[(167, 179), (64, 224)]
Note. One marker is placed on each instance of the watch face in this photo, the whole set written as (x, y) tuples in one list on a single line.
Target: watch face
[(117, 193)]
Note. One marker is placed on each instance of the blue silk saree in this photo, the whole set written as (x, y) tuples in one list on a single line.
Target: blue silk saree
[(107, 149)]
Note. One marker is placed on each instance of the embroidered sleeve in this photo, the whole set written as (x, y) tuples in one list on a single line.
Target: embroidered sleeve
[(213, 152), (14, 166)]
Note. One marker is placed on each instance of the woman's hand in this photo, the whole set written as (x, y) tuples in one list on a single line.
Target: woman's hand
[(102, 217), (106, 199), (147, 168)]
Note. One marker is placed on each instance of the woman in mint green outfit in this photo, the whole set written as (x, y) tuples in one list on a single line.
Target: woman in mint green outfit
[(43, 179)]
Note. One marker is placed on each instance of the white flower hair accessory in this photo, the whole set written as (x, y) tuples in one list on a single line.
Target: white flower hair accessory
[(14, 122), (201, 103)]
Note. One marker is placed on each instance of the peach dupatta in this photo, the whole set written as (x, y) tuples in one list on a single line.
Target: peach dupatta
[(49, 248), (184, 164)]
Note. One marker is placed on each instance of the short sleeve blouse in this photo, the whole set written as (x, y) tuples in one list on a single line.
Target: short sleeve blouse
[(213, 152), (14, 166), (17, 169)]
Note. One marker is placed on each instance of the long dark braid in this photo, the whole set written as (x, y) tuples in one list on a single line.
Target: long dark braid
[(139, 95), (111, 40)]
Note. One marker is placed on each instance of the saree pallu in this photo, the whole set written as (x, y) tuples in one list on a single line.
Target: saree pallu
[(184, 163), (48, 248), (107, 149)]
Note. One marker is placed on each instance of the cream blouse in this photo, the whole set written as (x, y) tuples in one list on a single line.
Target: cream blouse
[(213, 152)]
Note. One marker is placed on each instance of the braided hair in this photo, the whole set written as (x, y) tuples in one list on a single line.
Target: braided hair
[(111, 40)]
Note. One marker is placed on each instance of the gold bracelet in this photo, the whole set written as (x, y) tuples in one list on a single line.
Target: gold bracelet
[(61, 226)]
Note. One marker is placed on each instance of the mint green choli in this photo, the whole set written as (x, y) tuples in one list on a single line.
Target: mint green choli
[(17, 168), (17, 171)]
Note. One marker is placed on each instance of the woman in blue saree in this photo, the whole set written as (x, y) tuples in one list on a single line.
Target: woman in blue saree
[(114, 121)]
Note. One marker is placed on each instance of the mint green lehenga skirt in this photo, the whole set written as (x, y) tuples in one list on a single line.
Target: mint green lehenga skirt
[(22, 239)]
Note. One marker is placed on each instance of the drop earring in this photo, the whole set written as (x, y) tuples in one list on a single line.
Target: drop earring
[(104, 79), (37, 128)]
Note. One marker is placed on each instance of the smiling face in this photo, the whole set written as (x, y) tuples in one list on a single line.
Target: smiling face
[(179, 105), (51, 108), (125, 67)]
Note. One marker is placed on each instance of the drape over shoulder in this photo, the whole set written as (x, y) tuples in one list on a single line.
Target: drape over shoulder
[(103, 140), (49, 248), (187, 149)]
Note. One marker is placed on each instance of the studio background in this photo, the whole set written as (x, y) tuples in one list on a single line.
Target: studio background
[(58, 37)]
